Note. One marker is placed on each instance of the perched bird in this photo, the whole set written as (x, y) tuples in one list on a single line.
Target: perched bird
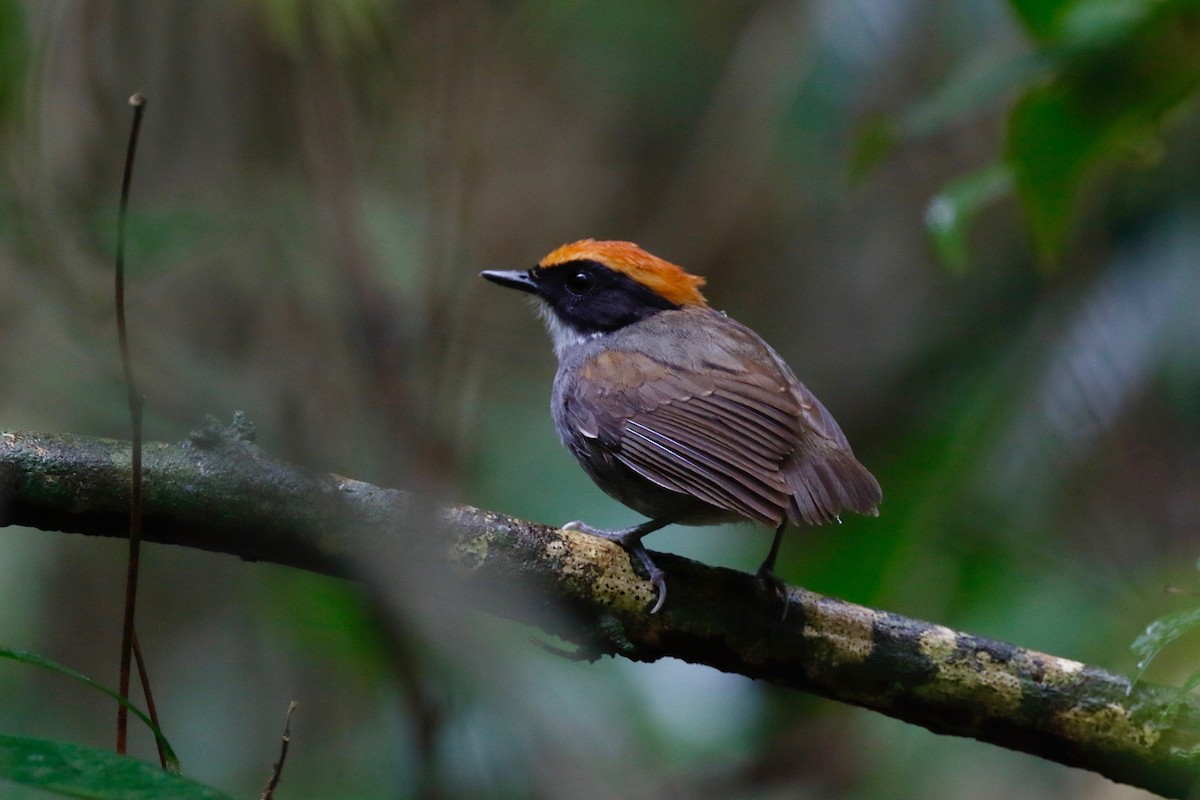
[(678, 411)]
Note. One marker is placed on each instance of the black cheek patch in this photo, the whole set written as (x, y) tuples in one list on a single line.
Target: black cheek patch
[(608, 308), (614, 301)]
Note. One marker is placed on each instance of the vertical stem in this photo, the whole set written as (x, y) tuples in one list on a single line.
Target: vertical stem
[(135, 413)]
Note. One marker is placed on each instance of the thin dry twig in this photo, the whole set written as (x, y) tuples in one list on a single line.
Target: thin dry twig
[(151, 710), (269, 792)]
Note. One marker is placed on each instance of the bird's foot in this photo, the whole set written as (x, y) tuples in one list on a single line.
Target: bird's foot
[(775, 585), (631, 540)]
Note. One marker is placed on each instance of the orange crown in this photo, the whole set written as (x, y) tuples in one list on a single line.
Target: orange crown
[(656, 274)]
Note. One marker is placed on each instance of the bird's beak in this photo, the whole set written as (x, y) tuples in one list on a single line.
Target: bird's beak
[(513, 279)]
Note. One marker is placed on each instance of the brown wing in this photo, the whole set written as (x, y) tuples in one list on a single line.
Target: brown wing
[(713, 435), (734, 429)]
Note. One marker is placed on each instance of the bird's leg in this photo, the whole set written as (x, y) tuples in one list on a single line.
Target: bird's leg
[(631, 540), (766, 572)]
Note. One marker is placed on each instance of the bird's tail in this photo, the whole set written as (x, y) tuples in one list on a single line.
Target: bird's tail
[(824, 484)]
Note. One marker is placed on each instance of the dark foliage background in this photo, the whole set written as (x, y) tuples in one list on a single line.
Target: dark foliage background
[(1016, 354)]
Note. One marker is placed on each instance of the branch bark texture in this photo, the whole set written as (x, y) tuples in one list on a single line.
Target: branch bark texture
[(219, 492)]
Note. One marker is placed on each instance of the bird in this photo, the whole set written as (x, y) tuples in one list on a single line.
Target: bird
[(677, 410)]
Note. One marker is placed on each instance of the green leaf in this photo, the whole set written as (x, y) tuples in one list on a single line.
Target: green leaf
[(1041, 16), (33, 659), (1080, 21), (1191, 683), (74, 770), (1098, 23), (1049, 145), (949, 215), (1160, 633)]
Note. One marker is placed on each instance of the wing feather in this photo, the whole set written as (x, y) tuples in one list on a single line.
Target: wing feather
[(725, 464), (715, 482), (647, 455), (749, 451), (754, 436)]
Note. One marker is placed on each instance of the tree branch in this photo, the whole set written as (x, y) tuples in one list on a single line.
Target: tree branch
[(219, 492)]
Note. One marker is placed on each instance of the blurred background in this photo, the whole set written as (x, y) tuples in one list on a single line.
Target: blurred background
[(861, 181)]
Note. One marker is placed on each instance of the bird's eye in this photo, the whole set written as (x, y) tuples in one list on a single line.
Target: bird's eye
[(580, 283)]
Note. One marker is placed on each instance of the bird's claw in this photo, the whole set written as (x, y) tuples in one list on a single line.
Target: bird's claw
[(631, 540), (660, 587)]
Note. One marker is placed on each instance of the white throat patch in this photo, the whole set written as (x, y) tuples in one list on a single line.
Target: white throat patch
[(561, 333)]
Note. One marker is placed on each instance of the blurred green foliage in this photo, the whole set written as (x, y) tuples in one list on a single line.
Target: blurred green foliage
[(1104, 77), (1122, 68), (1163, 632), (952, 212), (336, 26), (14, 59)]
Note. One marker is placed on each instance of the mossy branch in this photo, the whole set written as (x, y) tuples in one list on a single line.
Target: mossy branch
[(221, 493)]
